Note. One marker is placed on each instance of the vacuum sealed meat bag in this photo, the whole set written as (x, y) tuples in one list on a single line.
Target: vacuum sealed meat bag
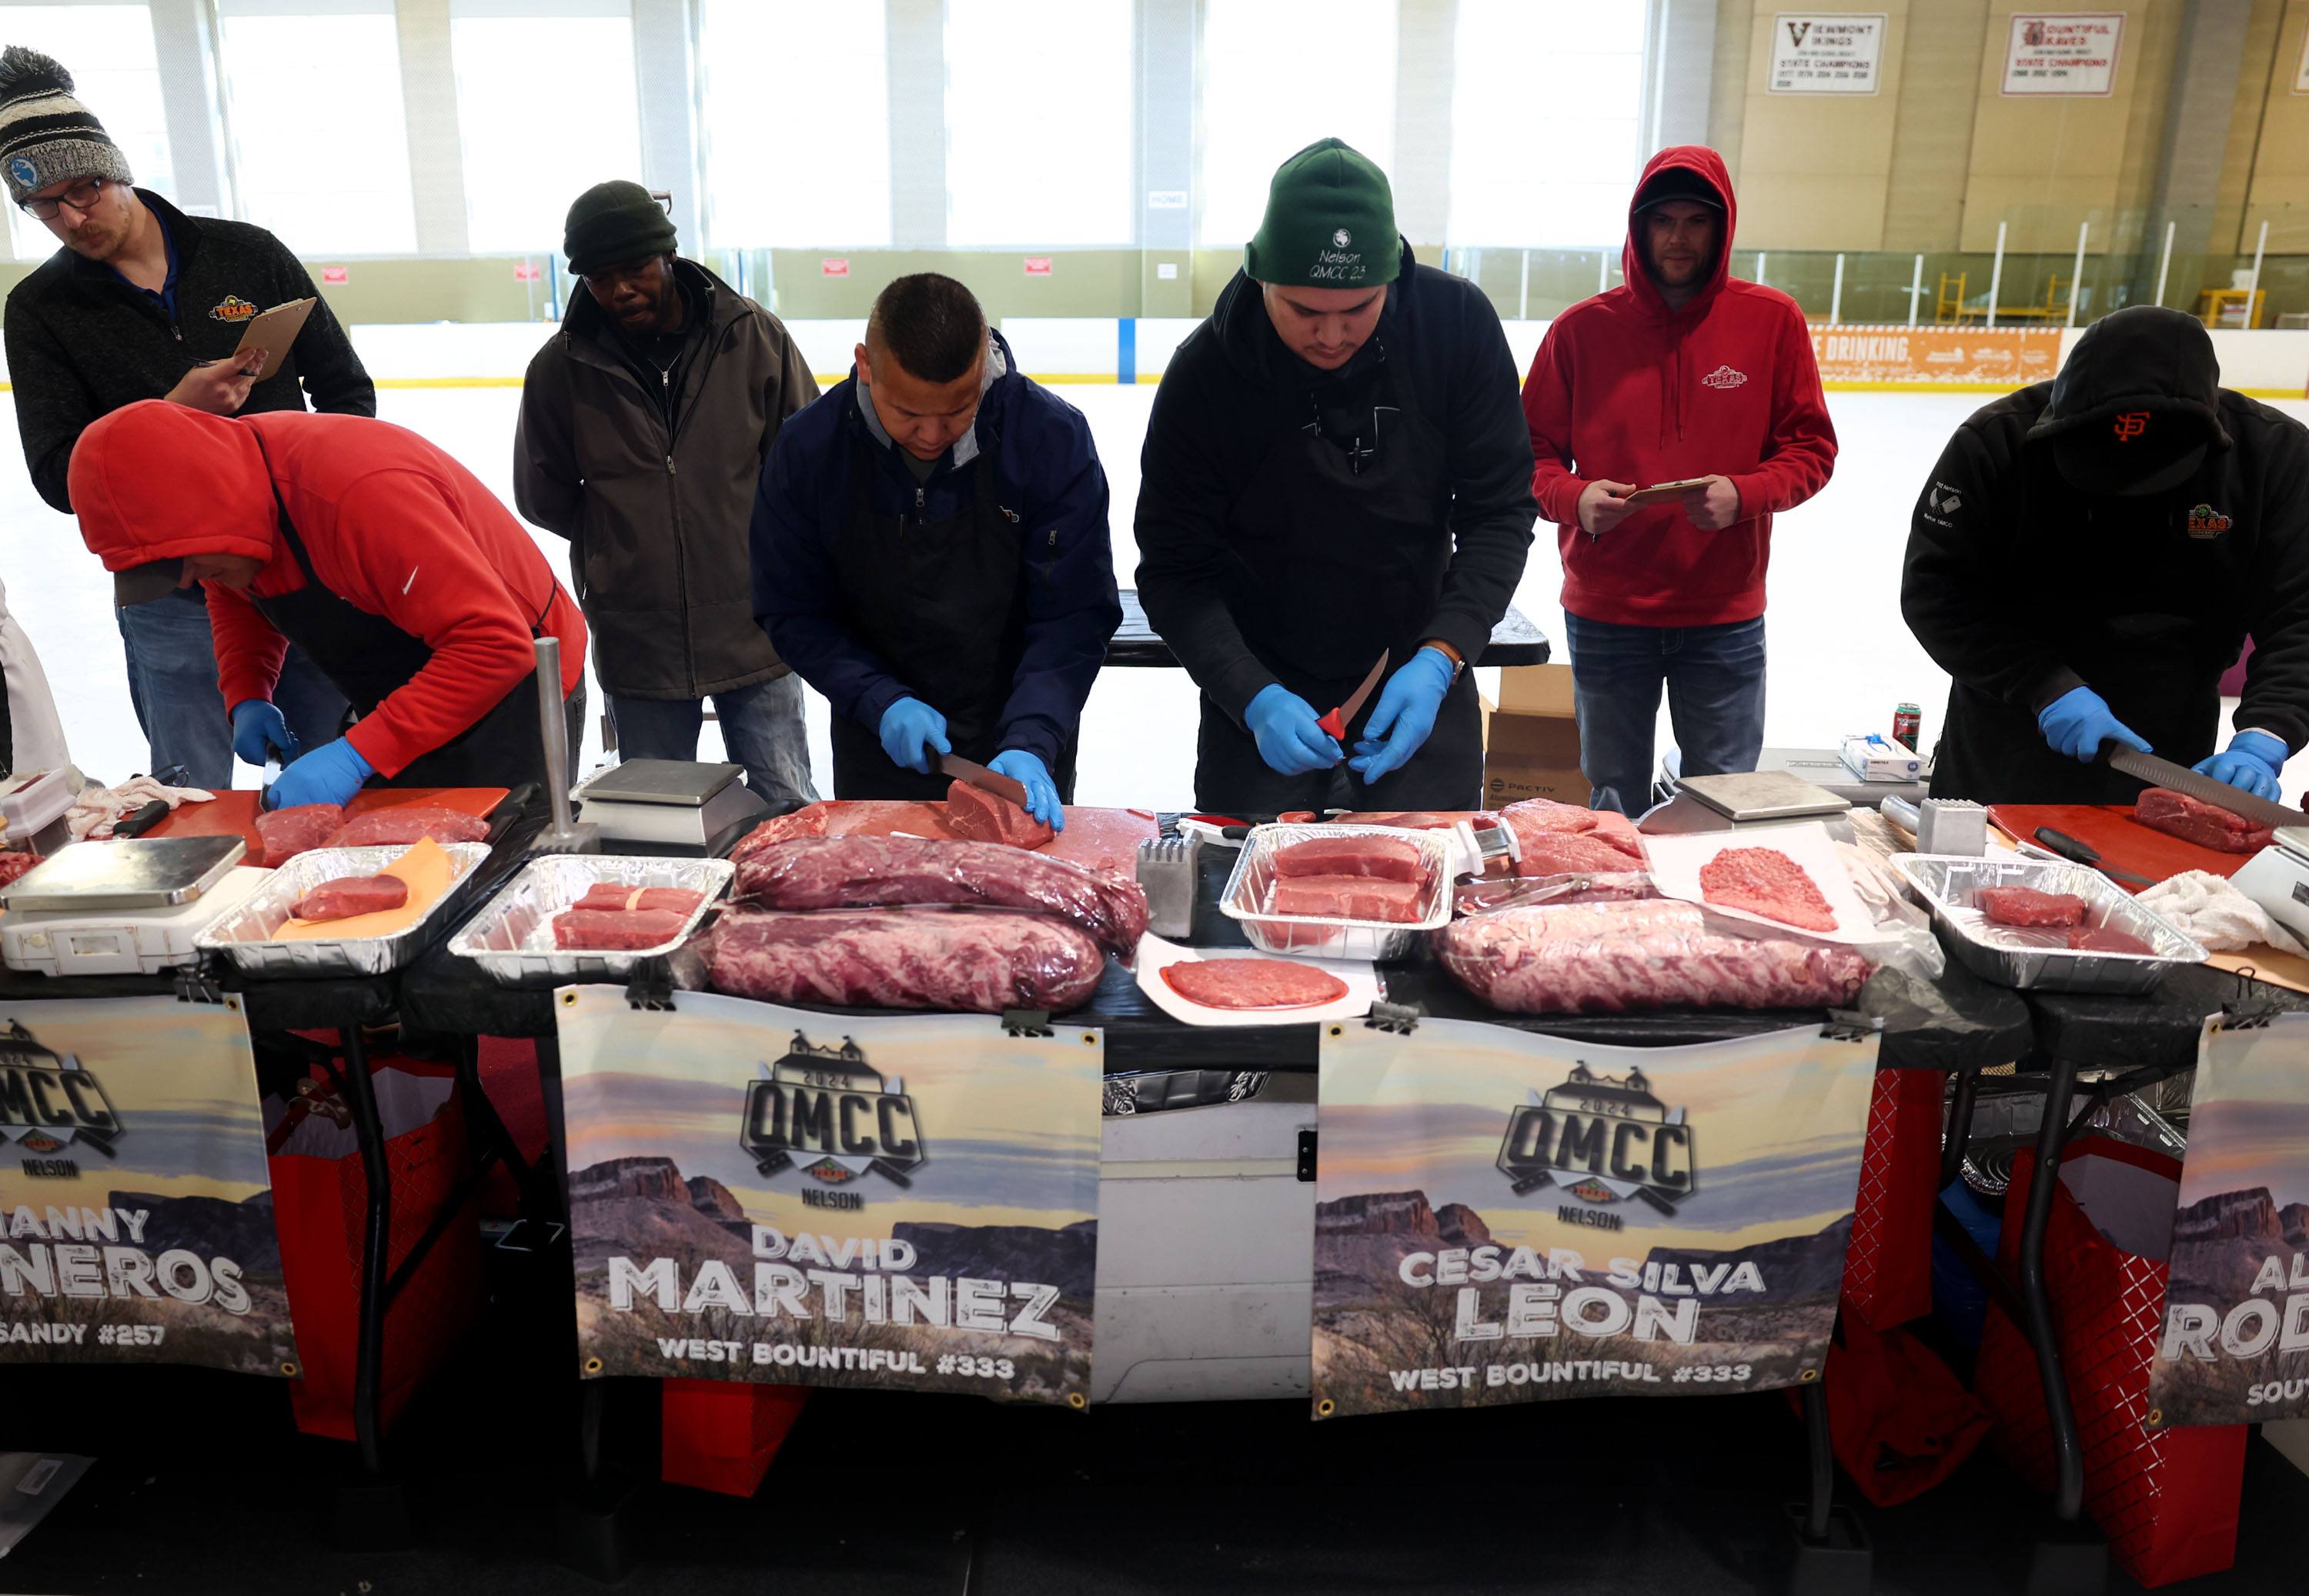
[(967, 960)]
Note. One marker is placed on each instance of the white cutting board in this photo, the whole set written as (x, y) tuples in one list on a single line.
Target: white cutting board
[(1677, 861), (1155, 953)]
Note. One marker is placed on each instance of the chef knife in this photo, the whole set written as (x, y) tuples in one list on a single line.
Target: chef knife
[(2083, 853), (1336, 722), (142, 821), (979, 776), (2205, 789)]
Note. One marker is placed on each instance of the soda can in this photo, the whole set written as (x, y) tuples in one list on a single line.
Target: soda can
[(1907, 724)]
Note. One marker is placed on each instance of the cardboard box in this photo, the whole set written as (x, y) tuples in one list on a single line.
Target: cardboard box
[(1531, 739)]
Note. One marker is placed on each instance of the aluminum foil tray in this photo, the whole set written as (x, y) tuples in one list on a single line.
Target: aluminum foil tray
[(245, 936), (2016, 956), (513, 938), (1252, 887)]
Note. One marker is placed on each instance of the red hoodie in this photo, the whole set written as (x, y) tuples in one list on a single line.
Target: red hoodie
[(392, 526), (1625, 390)]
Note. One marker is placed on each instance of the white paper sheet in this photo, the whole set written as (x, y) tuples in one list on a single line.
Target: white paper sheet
[(1677, 861), (1155, 953)]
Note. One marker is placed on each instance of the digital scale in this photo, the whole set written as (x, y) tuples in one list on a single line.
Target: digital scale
[(129, 907), (1754, 798), (2277, 879), (676, 808)]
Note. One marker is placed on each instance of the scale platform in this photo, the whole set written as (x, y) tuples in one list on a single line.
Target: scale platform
[(677, 807)]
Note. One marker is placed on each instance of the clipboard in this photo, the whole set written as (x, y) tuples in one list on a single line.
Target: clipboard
[(1659, 492), (271, 331)]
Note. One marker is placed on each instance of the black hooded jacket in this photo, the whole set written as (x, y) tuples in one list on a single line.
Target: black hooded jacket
[(2022, 586)]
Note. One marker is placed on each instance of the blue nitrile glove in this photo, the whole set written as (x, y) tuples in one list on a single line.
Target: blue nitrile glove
[(911, 732), (259, 729), (2253, 762), (1041, 792), (2079, 721), (1404, 716), (1289, 739), (330, 775)]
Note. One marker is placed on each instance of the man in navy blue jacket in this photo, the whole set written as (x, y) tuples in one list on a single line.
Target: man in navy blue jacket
[(931, 552)]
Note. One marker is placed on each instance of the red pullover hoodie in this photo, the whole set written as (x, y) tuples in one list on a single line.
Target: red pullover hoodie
[(392, 526), (1625, 390)]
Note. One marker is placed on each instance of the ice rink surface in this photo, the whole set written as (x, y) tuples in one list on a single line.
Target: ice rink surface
[(1840, 656)]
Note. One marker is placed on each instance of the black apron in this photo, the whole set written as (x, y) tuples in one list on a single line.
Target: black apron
[(943, 604), (1342, 553), (368, 658)]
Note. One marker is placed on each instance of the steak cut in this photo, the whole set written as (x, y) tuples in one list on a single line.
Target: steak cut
[(1347, 898), (409, 823), (1566, 840), (616, 931), (1252, 983), (811, 820), (2106, 939), (2024, 906), (1767, 882), (2178, 814), (1387, 858), (350, 895), (13, 864), (612, 897), (300, 828), (1609, 958), (1416, 820), (890, 872), (966, 961), (977, 815)]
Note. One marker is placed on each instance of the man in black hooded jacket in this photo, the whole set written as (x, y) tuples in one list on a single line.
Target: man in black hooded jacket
[(2090, 555)]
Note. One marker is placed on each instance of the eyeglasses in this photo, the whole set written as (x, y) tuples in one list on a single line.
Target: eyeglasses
[(81, 196)]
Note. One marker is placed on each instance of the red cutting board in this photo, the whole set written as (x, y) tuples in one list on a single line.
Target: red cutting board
[(235, 811), (2121, 840)]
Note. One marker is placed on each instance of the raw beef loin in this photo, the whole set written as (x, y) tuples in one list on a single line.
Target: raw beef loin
[(1252, 983), (811, 820), (410, 823), (2024, 906), (967, 960), (1388, 859), (978, 815), (2106, 939), (1347, 898), (610, 897), (887, 872), (1607, 958), (13, 864), (299, 829), (1566, 840), (1767, 882), (2182, 816), (350, 895), (604, 929)]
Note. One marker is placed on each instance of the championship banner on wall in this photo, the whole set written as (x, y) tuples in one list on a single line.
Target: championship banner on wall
[(135, 1204), (1969, 358), (1503, 1217), (2235, 1343), (759, 1193)]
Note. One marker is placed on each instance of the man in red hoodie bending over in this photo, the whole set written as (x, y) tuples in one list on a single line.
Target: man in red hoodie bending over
[(1680, 376), (389, 564)]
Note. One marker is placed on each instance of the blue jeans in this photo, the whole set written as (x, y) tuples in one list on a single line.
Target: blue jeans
[(1714, 681), (172, 682), (761, 728)]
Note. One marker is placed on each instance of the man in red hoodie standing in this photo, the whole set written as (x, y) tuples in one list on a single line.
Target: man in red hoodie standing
[(1679, 376)]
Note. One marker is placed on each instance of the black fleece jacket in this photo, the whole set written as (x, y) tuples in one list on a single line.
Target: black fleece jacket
[(1232, 388), (82, 342)]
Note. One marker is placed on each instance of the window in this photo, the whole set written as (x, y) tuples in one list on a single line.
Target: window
[(320, 141), (1276, 78), (796, 122), (546, 109), (1546, 160), (116, 75), (1038, 115)]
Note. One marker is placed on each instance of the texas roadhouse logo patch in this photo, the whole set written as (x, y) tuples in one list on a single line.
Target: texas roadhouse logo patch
[(232, 308), (2205, 522), (1724, 377)]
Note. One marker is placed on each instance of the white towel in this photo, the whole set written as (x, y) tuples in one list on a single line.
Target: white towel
[(95, 811), (2213, 912)]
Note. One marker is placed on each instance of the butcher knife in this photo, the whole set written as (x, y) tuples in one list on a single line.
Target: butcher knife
[(2205, 789), (986, 780), (2083, 853), (1336, 722)]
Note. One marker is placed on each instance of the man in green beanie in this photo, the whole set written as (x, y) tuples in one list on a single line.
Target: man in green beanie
[(1336, 470), (645, 422)]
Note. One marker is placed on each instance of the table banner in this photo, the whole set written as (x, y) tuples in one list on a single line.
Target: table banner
[(2236, 1342), (1504, 1217), (135, 1204), (761, 1193)]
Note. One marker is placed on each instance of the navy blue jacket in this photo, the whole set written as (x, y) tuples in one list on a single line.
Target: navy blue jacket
[(1045, 469)]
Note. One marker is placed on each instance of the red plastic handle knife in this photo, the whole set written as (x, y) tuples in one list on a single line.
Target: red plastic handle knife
[(1336, 722)]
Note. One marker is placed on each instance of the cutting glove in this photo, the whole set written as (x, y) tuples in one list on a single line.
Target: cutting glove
[(1289, 739), (2079, 721), (911, 732), (1404, 716), (260, 729), (2253, 762), (1041, 792), (330, 775)]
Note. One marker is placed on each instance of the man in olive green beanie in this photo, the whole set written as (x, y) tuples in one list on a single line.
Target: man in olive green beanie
[(1337, 473)]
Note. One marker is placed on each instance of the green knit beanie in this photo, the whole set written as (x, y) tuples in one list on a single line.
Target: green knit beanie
[(1329, 223), (615, 222)]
